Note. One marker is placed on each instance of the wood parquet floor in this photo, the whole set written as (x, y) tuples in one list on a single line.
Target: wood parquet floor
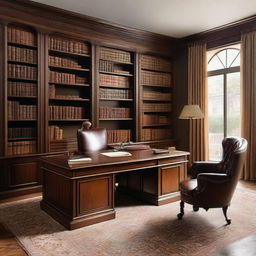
[(10, 247), (8, 243)]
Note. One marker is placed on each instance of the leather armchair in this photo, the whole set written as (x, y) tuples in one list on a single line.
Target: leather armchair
[(212, 184), (91, 140)]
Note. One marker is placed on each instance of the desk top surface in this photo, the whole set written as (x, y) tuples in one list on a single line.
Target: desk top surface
[(101, 160)]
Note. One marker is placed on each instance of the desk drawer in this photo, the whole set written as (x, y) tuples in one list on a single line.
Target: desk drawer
[(172, 160), (135, 166)]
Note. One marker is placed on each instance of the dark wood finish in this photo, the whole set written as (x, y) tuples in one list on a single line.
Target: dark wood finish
[(98, 191), (45, 21), (93, 184)]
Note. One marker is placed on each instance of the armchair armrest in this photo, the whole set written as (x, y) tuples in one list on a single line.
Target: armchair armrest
[(205, 179), (213, 177), (204, 167)]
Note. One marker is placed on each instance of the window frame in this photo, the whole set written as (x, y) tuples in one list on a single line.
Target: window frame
[(224, 72)]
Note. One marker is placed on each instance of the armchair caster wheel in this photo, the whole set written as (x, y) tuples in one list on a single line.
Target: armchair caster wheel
[(180, 215), (195, 208)]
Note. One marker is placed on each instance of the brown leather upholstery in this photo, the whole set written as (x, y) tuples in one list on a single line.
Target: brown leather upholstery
[(213, 184), (91, 140)]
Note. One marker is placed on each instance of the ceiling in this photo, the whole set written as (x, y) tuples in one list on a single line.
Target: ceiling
[(176, 18)]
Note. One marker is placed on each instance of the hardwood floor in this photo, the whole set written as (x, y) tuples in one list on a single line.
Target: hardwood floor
[(10, 247), (8, 243)]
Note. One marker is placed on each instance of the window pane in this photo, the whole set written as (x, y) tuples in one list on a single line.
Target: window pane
[(236, 62), (223, 58), (231, 57), (233, 104), (215, 64), (216, 116)]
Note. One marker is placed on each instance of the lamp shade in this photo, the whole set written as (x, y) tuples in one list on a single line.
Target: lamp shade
[(191, 112)]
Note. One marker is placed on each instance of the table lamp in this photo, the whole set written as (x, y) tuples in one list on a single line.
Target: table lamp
[(191, 112)]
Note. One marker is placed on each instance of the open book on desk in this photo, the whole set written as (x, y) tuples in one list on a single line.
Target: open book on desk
[(79, 160)]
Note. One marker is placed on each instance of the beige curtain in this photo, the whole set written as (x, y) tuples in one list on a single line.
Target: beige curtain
[(248, 74), (197, 94)]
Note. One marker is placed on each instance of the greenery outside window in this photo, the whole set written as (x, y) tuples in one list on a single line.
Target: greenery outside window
[(223, 97)]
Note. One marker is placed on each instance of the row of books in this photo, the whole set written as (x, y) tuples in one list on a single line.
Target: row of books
[(154, 119), (69, 144), (114, 81), (21, 132), (16, 111), (53, 95), (159, 107), (22, 72), (115, 55), (111, 112), (115, 136), (65, 112), (22, 54), (63, 62), (155, 63), (154, 95), (21, 36), (67, 45), (108, 66), (22, 89), (55, 132), (21, 147), (66, 78), (107, 93), (155, 79), (155, 134)]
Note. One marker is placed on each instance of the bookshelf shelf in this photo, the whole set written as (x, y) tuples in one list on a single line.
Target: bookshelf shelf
[(157, 71), (22, 120), (156, 125), (157, 111), (78, 100), (115, 119), (116, 73), (157, 86), (114, 87), (70, 68), (22, 138), (70, 53), (21, 97), (115, 99), (71, 85), (119, 62), (67, 120), (23, 45), (156, 100), (23, 63), (21, 79)]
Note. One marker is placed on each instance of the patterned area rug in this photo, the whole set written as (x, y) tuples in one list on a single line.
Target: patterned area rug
[(138, 229)]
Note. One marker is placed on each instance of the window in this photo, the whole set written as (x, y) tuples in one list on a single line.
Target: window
[(223, 97)]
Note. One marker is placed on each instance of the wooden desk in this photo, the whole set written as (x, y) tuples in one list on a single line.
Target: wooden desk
[(83, 194)]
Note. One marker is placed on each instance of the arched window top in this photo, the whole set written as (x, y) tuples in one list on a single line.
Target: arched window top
[(226, 58)]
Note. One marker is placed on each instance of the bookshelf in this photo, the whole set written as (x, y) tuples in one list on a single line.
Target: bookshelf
[(22, 91), (116, 94), (69, 90), (53, 82), (155, 99)]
